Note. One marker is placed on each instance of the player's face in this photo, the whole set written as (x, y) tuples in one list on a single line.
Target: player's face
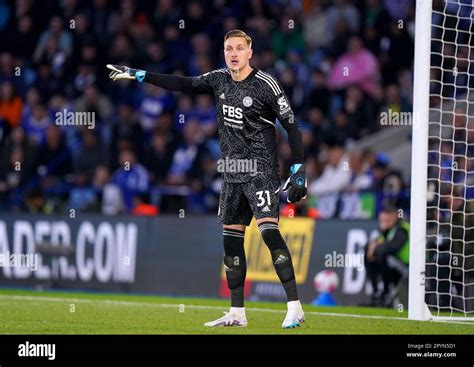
[(237, 53)]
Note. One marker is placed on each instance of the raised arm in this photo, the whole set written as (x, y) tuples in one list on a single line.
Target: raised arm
[(194, 85)]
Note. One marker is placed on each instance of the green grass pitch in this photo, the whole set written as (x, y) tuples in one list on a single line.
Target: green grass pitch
[(46, 312)]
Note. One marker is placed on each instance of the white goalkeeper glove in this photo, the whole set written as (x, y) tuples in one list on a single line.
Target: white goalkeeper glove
[(124, 72)]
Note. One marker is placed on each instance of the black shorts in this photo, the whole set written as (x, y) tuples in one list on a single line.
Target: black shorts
[(239, 202)]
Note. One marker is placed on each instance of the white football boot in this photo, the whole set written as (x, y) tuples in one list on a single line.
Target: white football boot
[(294, 316), (235, 317)]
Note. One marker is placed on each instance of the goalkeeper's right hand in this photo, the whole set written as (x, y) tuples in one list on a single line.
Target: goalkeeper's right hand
[(124, 72)]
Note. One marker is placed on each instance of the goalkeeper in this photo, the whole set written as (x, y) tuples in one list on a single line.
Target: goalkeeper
[(248, 101)]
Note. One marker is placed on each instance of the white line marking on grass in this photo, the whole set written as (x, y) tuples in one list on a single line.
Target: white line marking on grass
[(467, 322), (204, 307)]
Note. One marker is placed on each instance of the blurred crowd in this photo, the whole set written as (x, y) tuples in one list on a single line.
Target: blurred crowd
[(341, 63)]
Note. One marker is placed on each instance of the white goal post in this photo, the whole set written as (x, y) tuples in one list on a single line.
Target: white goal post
[(441, 274)]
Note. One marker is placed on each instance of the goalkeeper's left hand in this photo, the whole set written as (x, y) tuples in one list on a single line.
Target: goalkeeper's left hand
[(124, 72), (296, 184)]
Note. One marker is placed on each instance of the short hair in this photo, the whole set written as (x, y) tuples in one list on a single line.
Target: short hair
[(238, 33), (389, 206)]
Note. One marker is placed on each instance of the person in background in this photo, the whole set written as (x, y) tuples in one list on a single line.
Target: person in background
[(158, 156), (336, 175), (11, 106), (360, 179), (363, 71), (36, 124), (132, 178), (387, 180), (387, 256), (55, 161)]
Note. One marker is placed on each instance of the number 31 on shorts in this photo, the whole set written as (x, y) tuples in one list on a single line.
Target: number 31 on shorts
[(261, 198)]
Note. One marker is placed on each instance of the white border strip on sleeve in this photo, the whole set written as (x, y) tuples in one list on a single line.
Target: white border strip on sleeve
[(267, 77), (270, 83)]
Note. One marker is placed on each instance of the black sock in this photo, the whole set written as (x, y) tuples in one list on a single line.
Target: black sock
[(235, 265), (281, 258)]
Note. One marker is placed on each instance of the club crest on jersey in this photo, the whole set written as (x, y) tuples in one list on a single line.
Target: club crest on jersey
[(247, 101), (284, 105)]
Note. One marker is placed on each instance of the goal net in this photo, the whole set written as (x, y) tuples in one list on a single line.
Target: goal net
[(442, 201)]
